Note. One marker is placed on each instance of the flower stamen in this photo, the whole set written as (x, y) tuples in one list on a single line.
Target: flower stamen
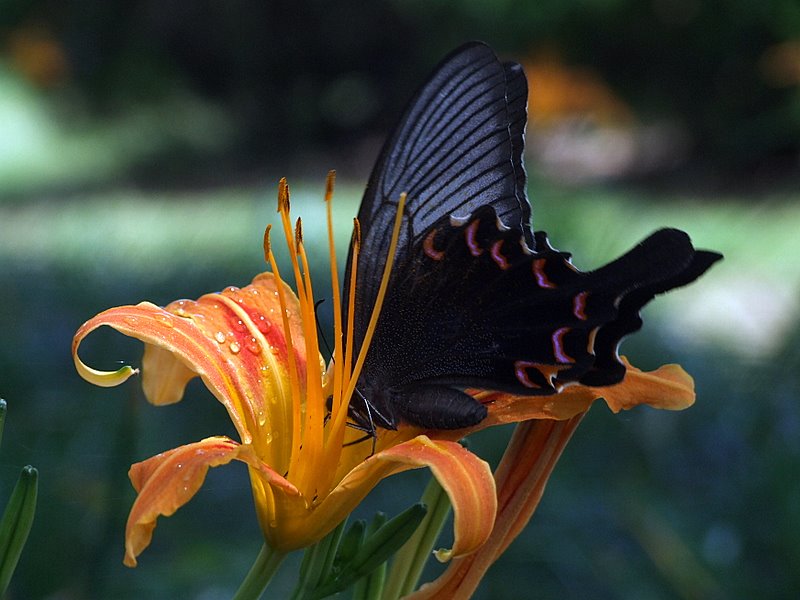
[(315, 402), (294, 376), (376, 309), (338, 362)]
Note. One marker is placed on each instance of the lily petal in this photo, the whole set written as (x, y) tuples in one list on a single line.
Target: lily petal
[(668, 387), (466, 478), (169, 480), (468, 482), (521, 478), (534, 450), (233, 340)]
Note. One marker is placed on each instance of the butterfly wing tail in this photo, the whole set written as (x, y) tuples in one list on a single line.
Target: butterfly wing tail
[(607, 369)]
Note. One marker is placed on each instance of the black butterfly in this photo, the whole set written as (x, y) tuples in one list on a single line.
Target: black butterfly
[(476, 299)]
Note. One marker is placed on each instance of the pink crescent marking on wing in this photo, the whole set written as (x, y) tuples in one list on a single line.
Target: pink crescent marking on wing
[(579, 305), (522, 374), (498, 257), (427, 247), (541, 277), (472, 243), (558, 346)]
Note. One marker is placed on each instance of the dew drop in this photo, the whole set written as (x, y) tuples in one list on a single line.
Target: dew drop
[(260, 321), (165, 320), (262, 419), (240, 326), (253, 346), (235, 347), (220, 337)]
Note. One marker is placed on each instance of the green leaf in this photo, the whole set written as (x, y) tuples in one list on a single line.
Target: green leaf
[(3, 410), (351, 542), (318, 563), (16, 523), (410, 560), (362, 552)]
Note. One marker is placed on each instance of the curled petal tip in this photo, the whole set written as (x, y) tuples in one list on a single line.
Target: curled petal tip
[(104, 378), (443, 555)]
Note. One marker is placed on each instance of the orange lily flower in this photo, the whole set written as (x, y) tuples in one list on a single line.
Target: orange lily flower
[(257, 351)]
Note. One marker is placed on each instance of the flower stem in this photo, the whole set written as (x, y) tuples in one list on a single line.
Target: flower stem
[(408, 563), (260, 574)]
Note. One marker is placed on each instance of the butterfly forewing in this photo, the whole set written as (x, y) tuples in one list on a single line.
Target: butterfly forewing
[(458, 144)]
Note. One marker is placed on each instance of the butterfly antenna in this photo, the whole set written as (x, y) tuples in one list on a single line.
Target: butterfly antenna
[(319, 328)]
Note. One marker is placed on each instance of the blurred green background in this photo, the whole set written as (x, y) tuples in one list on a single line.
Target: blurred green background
[(140, 146)]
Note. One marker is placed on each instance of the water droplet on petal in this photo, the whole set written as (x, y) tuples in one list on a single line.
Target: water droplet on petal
[(165, 320), (220, 337), (131, 320), (253, 346), (240, 326), (268, 435), (235, 347)]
